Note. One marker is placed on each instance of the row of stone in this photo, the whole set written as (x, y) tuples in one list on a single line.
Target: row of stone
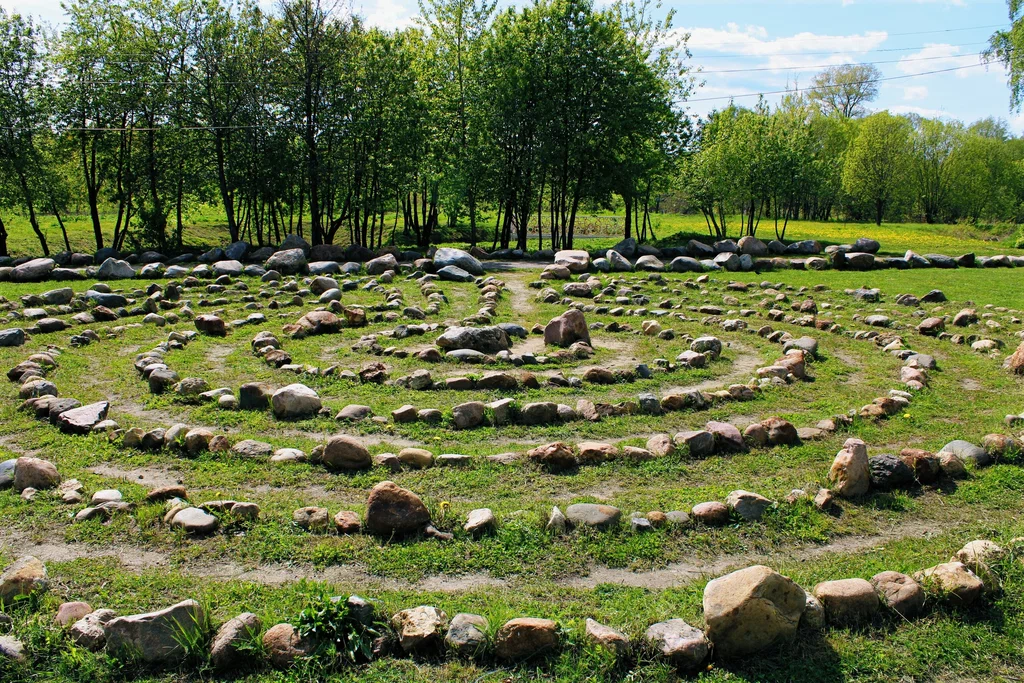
[(746, 612)]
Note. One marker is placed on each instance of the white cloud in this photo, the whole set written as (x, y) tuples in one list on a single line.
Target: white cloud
[(936, 56), (921, 111), (915, 92), (783, 53), (389, 14)]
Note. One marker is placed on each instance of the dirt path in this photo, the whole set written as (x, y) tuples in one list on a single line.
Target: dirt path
[(672, 576)]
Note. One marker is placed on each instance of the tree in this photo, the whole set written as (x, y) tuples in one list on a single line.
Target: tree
[(844, 90), (878, 165), (23, 95), (1007, 47)]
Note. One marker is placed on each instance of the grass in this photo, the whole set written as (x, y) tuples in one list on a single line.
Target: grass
[(135, 563), (206, 228)]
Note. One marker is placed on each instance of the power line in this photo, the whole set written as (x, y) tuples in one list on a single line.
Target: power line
[(825, 66), (736, 55), (865, 34), (795, 90)]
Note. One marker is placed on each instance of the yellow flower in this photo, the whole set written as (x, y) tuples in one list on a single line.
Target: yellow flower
[(906, 416)]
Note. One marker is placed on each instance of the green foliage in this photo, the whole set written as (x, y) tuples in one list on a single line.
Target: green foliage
[(328, 622)]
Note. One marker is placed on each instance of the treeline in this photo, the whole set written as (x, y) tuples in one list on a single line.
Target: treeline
[(305, 120), (808, 160)]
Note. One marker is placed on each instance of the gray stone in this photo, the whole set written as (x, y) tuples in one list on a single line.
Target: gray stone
[(156, 637)]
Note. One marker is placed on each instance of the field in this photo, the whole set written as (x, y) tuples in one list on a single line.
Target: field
[(205, 229), (628, 579)]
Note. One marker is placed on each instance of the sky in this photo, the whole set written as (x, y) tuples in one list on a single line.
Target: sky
[(749, 47)]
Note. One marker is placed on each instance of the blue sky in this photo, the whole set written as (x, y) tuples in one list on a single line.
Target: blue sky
[(789, 40)]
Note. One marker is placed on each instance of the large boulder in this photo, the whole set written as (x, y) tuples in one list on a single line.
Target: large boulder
[(576, 260), (381, 264), (35, 473), (419, 627), (284, 645), (394, 511), (525, 637), (684, 646), (81, 420), (14, 336), (953, 582), (33, 271), (751, 609), (448, 256), (156, 637), (593, 515), (899, 592), (27, 575), (850, 472), (567, 329), (345, 453), (288, 262), (847, 602), (482, 339), (114, 269), (295, 401)]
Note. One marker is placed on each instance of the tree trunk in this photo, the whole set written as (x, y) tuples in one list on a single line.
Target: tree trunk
[(27, 193), (3, 238)]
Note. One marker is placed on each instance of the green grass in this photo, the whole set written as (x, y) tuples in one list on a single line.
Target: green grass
[(520, 569), (205, 228)]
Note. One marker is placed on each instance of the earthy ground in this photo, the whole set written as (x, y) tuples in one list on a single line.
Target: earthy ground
[(134, 562)]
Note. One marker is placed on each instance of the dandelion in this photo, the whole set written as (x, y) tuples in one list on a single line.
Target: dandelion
[(906, 416)]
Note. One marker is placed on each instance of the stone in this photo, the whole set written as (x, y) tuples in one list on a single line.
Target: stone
[(250, 448), (311, 518), (447, 256), (12, 337), (479, 520), (295, 401), (847, 602), (288, 262), (481, 339), (567, 329), (850, 472), (211, 325), (194, 521), (967, 452), (526, 637), (254, 396), (889, 472), (899, 592), (70, 612), (556, 521), (394, 511), (354, 413), (346, 453), (419, 627), (417, 458), (594, 452), (606, 637), (727, 437), (33, 270), (25, 576), (347, 522), (90, 631), (156, 637), (593, 515), (952, 581), (749, 506), (81, 420), (229, 648), (34, 473), (556, 455), (684, 646), (12, 650), (698, 443), (711, 513), (468, 415), (576, 260), (750, 610), (284, 645), (467, 634)]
